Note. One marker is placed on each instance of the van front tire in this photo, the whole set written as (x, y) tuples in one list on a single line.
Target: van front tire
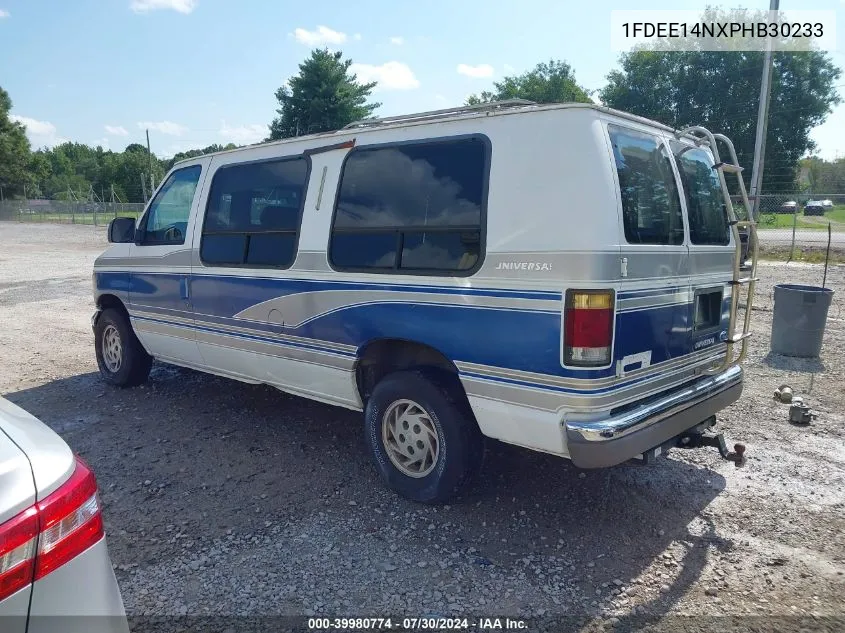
[(122, 360), (423, 438)]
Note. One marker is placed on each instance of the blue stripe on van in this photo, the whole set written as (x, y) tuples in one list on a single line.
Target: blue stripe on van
[(527, 340)]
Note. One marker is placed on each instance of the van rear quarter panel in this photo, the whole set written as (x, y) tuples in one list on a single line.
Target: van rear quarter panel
[(551, 191)]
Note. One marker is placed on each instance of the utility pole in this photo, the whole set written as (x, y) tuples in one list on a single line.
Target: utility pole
[(144, 187), (150, 156), (762, 123)]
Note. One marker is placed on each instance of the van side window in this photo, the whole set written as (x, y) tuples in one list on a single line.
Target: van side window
[(166, 221), (253, 214), (651, 206), (708, 220), (412, 207)]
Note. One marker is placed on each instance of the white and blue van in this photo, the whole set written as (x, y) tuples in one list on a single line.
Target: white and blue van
[(561, 277)]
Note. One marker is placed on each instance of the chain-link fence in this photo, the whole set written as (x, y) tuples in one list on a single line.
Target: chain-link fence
[(66, 212), (796, 224), (789, 224)]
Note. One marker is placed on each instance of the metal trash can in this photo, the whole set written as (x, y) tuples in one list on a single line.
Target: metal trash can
[(799, 319)]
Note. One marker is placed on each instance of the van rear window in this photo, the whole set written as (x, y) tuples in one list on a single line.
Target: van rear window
[(651, 206), (708, 222)]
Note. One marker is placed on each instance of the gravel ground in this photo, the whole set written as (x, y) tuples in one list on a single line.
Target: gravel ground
[(227, 499)]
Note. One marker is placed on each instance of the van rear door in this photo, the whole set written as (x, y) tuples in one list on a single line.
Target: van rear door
[(653, 301), (711, 247)]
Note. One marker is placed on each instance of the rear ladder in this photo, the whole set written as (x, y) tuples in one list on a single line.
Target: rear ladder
[(703, 136)]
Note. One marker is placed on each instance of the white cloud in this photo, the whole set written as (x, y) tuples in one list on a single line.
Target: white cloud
[(116, 130), (390, 76), (397, 40), (164, 127), (180, 6), (243, 134), (508, 69), (40, 133), (4, 14), (476, 72), (34, 126), (101, 142), (322, 35)]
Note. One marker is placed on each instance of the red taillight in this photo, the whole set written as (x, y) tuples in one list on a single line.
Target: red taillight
[(17, 551), (70, 521), (588, 328), (50, 533)]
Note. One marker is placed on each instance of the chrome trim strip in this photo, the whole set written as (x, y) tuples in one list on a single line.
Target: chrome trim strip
[(582, 400), (687, 361), (646, 415)]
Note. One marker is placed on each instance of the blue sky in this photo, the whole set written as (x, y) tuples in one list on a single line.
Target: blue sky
[(198, 72)]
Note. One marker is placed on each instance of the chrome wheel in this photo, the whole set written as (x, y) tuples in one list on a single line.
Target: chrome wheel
[(112, 349), (410, 438)]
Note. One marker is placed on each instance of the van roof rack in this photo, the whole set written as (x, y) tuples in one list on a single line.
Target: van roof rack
[(439, 114)]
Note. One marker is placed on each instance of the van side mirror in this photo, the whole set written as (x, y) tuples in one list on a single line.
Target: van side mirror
[(122, 230)]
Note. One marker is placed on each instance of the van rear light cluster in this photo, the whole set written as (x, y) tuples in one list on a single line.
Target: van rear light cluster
[(53, 531), (588, 328)]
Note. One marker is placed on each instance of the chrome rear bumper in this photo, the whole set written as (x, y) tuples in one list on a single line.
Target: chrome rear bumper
[(602, 443)]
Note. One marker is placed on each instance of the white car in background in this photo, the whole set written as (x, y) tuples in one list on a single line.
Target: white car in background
[(55, 571), (827, 204)]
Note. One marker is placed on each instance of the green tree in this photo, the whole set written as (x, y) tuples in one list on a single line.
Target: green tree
[(39, 169), (819, 176), (720, 90), (551, 82), (14, 151), (324, 96), (193, 153)]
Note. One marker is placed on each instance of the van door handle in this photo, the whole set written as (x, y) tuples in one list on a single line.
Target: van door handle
[(183, 290)]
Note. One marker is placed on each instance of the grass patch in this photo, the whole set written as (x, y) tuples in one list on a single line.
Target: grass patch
[(836, 215), (100, 219), (810, 255), (784, 221), (813, 223)]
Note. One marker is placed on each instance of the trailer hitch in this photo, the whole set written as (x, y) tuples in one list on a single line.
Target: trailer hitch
[(700, 440)]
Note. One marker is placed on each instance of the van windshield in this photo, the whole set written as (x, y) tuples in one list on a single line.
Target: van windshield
[(708, 222)]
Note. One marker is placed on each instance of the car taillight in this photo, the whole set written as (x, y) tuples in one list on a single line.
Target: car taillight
[(53, 531), (18, 538), (588, 328), (70, 521)]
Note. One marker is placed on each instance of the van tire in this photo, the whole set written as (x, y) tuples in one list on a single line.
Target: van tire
[(460, 445), (129, 364)]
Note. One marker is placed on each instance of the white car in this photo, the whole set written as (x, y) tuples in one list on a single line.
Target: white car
[(827, 204), (55, 571)]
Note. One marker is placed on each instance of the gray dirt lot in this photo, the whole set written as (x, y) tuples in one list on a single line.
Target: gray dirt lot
[(225, 498)]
